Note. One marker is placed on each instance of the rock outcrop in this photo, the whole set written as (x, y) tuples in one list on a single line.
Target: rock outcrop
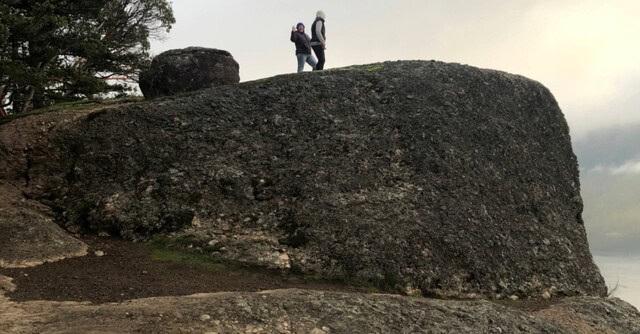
[(296, 311), (28, 234), (183, 70), (425, 177)]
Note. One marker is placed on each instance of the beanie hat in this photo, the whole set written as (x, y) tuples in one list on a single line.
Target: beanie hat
[(299, 24), (320, 14)]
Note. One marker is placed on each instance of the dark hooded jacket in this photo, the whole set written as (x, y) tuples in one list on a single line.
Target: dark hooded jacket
[(303, 42)]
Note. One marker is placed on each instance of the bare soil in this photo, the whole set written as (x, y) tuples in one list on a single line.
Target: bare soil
[(128, 270)]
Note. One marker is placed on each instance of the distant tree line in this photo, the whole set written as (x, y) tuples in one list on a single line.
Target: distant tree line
[(65, 50)]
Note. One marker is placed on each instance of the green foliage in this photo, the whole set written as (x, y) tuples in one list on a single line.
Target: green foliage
[(160, 250), (372, 68), (66, 50), (177, 249), (363, 68)]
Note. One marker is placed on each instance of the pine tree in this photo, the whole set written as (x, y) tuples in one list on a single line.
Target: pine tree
[(63, 50)]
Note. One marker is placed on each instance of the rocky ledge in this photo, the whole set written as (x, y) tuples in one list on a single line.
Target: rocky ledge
[(316, 312)]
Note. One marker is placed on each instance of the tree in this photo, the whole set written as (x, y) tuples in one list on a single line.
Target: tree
[(61, 50)]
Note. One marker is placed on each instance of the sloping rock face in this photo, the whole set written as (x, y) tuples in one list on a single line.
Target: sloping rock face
[(28, 234), (183, 70), (427, 177), (299, 311)]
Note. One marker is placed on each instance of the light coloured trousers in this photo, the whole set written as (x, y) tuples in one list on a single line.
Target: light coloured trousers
[(308, 58)]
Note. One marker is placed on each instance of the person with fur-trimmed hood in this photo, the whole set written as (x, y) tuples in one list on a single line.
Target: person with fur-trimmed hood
[(319, 39), (303, 47)]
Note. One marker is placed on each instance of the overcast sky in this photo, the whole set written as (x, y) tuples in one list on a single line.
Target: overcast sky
[(585, 51)]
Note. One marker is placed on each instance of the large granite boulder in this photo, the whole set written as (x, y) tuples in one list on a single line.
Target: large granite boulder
[(427, 177), (183, 70)]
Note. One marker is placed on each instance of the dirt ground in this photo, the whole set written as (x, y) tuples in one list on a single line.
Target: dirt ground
[(129, 271)]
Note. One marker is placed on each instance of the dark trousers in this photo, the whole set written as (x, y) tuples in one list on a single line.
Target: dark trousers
[(319, 51)]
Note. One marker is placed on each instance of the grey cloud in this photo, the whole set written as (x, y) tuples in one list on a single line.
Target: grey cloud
[(613, 146), (612, 212), (611, 201)]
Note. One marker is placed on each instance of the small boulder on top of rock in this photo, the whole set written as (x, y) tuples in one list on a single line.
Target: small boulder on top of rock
[(183, 70)]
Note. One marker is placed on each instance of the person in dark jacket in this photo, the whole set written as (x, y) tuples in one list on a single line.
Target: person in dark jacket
[(319, 39), (303, 47)]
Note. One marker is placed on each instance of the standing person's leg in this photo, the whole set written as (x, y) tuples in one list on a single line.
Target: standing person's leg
[(311, 60), (319, 51), (301, 58)]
